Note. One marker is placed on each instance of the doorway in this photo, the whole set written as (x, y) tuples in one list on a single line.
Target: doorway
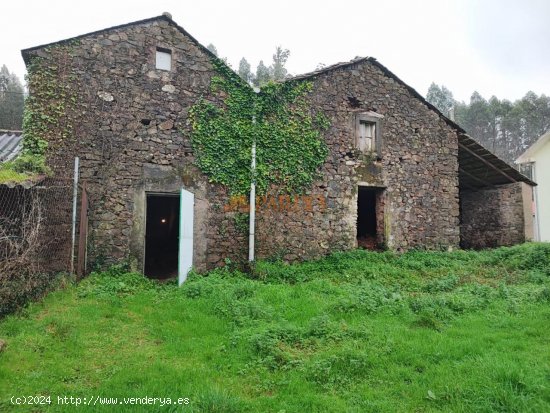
[(162, 236), (368, 217)]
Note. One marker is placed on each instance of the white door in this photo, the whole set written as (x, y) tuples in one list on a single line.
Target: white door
[(185, 258)]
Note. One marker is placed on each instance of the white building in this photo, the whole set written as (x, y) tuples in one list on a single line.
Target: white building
[(535, 163)]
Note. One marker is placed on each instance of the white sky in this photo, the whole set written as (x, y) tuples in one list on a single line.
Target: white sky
[(497, 47)]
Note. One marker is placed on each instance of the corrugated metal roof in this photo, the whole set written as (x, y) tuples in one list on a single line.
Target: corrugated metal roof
[(10, 144)]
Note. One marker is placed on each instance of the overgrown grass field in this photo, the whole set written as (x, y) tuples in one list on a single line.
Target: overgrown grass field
[(355, 332)]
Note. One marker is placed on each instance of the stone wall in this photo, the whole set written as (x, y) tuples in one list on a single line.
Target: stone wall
[(493, 217), (417, 167), (133, 137)]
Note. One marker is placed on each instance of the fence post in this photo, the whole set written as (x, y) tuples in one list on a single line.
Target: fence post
[(75, 196)]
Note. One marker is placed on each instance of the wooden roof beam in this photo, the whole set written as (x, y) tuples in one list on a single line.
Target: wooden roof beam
[(485, 161), (475, 178)]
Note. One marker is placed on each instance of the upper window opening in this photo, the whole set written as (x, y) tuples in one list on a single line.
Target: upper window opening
[(367, 134), (164, 59)]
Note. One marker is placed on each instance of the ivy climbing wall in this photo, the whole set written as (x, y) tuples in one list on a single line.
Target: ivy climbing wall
[(415, 172), (142, 130), (129, 123)]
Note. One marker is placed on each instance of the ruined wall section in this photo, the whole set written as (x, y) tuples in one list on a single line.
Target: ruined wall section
[(418, 168), (493, 217)]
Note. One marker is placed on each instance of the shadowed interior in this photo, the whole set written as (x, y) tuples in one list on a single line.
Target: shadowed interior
[(161, 239), (366, 218)]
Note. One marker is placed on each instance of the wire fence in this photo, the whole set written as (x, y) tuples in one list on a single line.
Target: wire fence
[(36, 237), (47, 206)]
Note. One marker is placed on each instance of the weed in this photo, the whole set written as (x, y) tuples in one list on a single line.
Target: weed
[(217, 401), (114, 282), (544, 295), (447, 283), (358, 331), (339, 370)]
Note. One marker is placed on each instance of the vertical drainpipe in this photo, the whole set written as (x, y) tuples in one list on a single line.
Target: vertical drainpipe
[(75, 198), (252, 202), (252, 222), (536, 229)]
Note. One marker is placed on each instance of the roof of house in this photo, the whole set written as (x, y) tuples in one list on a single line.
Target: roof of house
[(27, 53), (479, 168), (534, 148), (10, 144)]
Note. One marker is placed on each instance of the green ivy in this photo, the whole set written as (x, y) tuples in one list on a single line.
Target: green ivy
[(49, 109), (241, 221), (289, 145)]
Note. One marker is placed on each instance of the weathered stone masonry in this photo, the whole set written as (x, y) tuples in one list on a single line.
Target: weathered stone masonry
[(417, 170), (495, 216), (133, 137)]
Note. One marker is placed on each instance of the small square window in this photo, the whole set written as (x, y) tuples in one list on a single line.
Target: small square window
[(527, 169), (164, 59), (368, 136)]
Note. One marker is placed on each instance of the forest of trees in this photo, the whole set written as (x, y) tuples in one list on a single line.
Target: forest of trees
[(506, 128), (11, 100), (263, 74)]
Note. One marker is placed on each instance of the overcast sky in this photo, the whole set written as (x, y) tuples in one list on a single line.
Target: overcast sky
[(497, 47)]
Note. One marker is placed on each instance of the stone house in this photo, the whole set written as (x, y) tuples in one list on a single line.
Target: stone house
[(398, 173)]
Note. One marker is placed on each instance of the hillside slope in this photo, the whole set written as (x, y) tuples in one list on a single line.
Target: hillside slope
[(355, 332)]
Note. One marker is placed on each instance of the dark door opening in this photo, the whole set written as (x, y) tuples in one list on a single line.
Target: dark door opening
[(367, 223), (162, 236)]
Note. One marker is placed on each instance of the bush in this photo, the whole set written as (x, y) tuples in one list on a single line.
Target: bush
[(30, 164), (531, 256), (21, 278), (115, 281), (17, 289)]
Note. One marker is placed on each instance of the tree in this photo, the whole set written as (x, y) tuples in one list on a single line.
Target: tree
[(11, 100), (213, 49), (244, 71), (278, 70), (441, 98), (262, 74), (506, 128)]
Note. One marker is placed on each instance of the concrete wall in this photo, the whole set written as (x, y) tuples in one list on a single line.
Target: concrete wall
[(542, 191), (494, 217)]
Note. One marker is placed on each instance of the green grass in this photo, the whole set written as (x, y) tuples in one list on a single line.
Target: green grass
[(25, 167), (355, 332), (8, 175)]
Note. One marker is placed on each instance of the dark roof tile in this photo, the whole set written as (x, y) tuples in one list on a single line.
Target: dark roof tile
[(10, 144)]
